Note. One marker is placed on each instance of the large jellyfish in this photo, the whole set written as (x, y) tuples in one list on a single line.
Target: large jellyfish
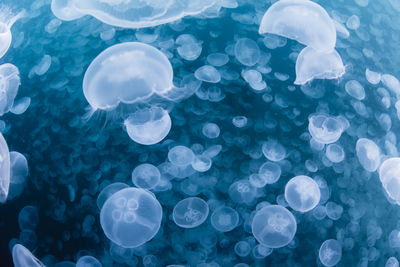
[(126, 73), (130, 13), (22, 257), (9, 84), (131, 217), (4, 169), (389, 174), (301, 20), (7, 19)]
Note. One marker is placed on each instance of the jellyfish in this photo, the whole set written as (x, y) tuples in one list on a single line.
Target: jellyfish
[(302, 193), (108, 191), (22, 257), (330, 252), (274, 226), (224, 219), (7, 19), (19, 170), (389, 174), (88, 261), (208, 73), (211, 130), (129, 13), (247, 52), (311, 64), (355, 89), (20, 105), (28, 218), (392, 262), (335, 153), (181, 156), (301, 20), (146, 176), (368, 154), (148, 126), (126, 73), (9, 84), (131, 217), (270, 171), (190, 212), (273, 150), (242, 192), (325, 129), (4, 169)]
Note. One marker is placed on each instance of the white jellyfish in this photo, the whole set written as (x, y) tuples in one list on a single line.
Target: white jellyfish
[(9, 84), (330, 252), (148, 126), (311, 64), (355, 89), (4, 169), (146, 176), (22, 257), (224, 219), (190, 212), (368, 154), (301, 20), (302, 193), (126, 73), (7, 19), (247, 52), (389, 174), (325, 129)]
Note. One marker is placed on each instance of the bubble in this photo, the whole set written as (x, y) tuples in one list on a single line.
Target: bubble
[(270, 171), (211, 130), (274, 226), (335, 153), (208, 73), (148, 126), (330, 252), (9, 84), (224, 219), (368, 154), (146, 176), (273, 151), (302, 193), (325, 129), (4, 169), (190, 212), (389, 174), (131, 217), (355, 89), (88, 261), (247, 52), (22, 257), (181, 156)]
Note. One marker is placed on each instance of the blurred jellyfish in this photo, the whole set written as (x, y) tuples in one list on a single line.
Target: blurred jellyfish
[(325, 129), (368, 154), (330, 252), (274, 226), (224, 219), (7, 19), (181, 156), (311, 64), (9, 84), (389, 174), (242, 192), (126, 73), (392, 262), (28, 218), (189, 48), (270, 171), (208, 73), (148, 126), (301, 20), (302, 193), (4, 169), (372, 76), (190, 212), (22, 257), (19, 170), (108, 191), (211, 130), (335, 153), (274, 151), (131, 217), (20, 105), (146, 176), (247, 52), (88, 261)]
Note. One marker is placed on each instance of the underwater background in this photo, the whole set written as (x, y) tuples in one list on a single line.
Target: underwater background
[(73, 156)]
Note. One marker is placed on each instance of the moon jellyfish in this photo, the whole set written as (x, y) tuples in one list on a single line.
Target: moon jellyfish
[(131, 217), (247, 52), (389, 174), (392, 262), (88, 261), (28, 218), (211, 130), (224, 219), (311, 64), (270, 171), (368, 154), (126, 73), (325, 129), (355, 89), (330, 252), (9, 84), (273, 151), (148, 126), (335, 153), (190, 212), (208, 73), (242, 192), (372, 76), (4, 169), (274, 226), (181, 156), (301, 20), (22, 257), (20, 105), (189, 48), (146, 176), (7, 19), (19, 170), (302, 193), (108, 191)]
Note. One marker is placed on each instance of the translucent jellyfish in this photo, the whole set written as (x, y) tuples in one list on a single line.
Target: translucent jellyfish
[(4, 169), (108, 191), (148, 126), (189, 47), (355, 89), (28, 218), (335, 153), (208, 73), (224, 219), (270, 171), (368, 154), (301, 20), (311, 64), (372, 76), (129, 13), (217, 59), (330, 252), (239, 121), (181, 156), (126, 73), (325, 129), (274, 226), (9, 84), (333, 210), (242, 248), (7, 19), (273, 151), (302, 193), (131, 217), (22, 257), (20, 105), (88, 261), (247, 52), (146, 176), (190, 212), (19, 169), (202, 163), (353, 22), (389, 174), (392, 262), (211, 130), (242, 192)]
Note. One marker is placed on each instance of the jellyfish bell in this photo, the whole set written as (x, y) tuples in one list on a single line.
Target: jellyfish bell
[(389, 174), (7, 19), (22, 257), (64, 10), (9, 84), (4, 169)]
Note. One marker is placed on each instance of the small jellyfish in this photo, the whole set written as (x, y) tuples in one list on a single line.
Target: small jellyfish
[(189, 48), (202, 163), (389, 174), (181, 156), (392, 262), (9, 84), (247, 52), (270, 171), (211, 130), (372, 76), (20, 105), (217, 59), (325, 129), (355, 89), (208, 73), (335, 153), (239, 121), (302, 193), (4, 169), (311, 64), (242, 248), (126, 73), (7, 19), (274, 151), (368, 154), (274, 226), (88, 261), (146, 176), (108, 191), (301, 20), (224, 219), (19, 169), (148, 126), (28, 218), (22, 257), (242, 192), (131, 217), (353, 22), (330, 252), (333, 210), (190, 212)]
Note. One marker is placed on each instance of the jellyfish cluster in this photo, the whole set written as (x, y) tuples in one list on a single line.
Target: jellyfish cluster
[(199, 133)]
